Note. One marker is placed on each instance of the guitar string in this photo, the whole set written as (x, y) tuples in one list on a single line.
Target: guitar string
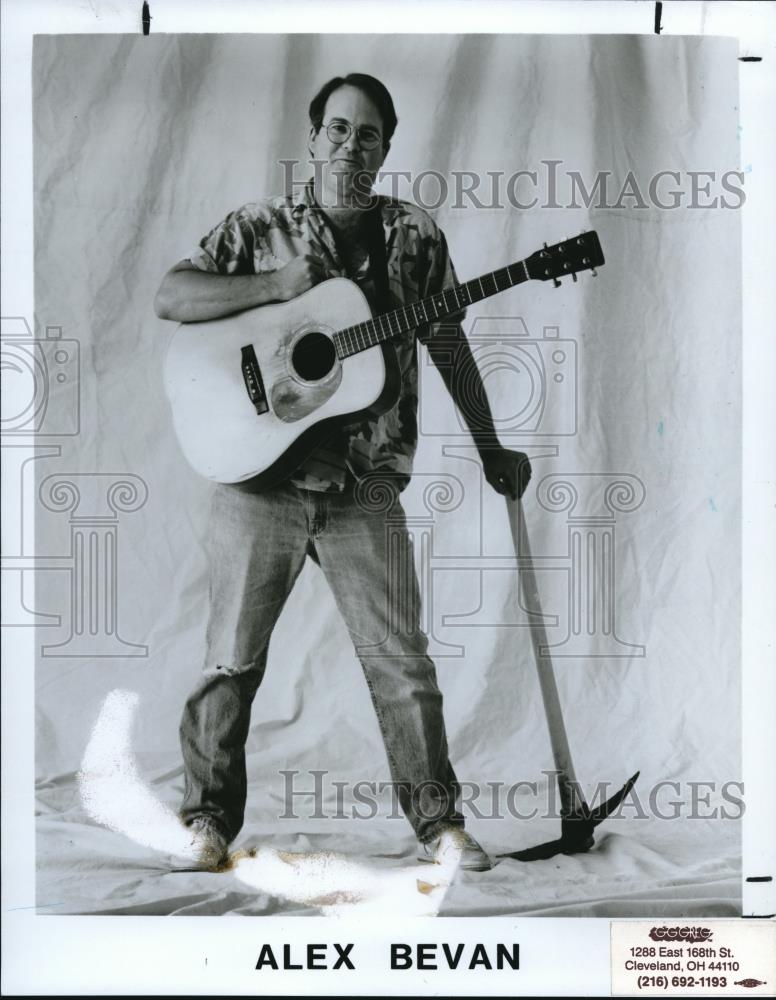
[(360, 337)]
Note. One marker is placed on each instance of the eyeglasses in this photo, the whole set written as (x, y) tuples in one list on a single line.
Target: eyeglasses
[(340, 131)]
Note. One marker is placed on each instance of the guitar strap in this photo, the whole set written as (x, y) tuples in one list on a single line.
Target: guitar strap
[(378, 273), (378, 260)]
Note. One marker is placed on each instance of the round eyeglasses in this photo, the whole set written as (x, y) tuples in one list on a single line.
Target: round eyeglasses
[(340, 131)]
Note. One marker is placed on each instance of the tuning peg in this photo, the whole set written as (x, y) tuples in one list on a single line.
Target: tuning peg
[(574, 276), (556, 282), (594, 272)]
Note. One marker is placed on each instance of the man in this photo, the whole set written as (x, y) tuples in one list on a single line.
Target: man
[(272, 251)]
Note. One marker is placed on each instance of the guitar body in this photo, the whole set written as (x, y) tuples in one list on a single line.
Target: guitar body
[(253, 394)]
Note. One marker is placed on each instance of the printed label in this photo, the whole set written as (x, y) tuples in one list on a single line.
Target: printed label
[(694, 958)]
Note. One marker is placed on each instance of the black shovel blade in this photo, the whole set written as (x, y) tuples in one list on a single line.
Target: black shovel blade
[(600, 814), (539, 853), (576, 835)]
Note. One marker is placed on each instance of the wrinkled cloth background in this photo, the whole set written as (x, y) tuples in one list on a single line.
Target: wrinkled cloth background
[(141, 146)]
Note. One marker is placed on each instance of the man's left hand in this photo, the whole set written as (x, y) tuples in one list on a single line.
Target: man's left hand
[(507, 471)]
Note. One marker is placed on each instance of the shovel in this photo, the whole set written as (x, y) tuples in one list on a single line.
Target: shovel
[(578, 820)]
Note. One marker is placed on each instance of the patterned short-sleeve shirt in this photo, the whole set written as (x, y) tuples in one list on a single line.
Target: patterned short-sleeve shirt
[(265, 235)]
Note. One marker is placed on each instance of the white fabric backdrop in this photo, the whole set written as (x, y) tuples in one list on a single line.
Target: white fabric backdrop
[(141, 145)]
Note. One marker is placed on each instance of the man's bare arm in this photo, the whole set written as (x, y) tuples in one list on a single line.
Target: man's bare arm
[(188, 295), (507, 471)]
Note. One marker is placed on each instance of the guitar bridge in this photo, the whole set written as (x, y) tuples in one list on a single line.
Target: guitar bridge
[(253, 381)]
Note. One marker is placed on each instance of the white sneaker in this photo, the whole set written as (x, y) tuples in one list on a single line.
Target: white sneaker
[(454, 845), (209, 844)]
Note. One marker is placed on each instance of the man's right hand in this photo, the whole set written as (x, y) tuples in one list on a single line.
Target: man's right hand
[(296, 277)]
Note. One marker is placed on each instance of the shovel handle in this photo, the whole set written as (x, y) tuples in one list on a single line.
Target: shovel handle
[(571, 797)]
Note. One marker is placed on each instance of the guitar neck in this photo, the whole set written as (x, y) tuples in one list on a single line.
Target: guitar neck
[(362, 336)]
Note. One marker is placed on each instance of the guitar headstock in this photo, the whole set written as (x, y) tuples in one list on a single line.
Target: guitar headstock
[(580, 253)]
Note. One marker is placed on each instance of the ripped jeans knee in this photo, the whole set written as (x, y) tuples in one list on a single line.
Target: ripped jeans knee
[(255, 666)]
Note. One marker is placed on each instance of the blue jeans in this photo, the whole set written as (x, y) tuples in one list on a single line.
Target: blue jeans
[(257, 546)]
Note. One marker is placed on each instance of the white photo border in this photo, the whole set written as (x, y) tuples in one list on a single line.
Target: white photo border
[(124, 955)]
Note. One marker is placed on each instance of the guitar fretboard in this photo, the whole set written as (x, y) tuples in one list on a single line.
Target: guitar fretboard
[(362, 336)]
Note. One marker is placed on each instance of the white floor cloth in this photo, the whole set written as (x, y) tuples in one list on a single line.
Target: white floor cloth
[(143, 144)]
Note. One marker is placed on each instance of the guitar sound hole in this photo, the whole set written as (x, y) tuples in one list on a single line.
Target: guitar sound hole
[(313, 356)]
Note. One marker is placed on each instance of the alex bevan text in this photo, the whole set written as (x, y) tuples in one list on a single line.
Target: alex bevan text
[(400, 956)]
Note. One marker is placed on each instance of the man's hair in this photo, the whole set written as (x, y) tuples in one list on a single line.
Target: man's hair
[(374, 90)]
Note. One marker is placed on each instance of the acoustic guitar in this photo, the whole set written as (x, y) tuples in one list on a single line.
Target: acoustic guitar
[(253, 394)]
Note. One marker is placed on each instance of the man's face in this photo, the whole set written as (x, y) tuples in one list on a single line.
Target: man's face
[(348, 168)]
